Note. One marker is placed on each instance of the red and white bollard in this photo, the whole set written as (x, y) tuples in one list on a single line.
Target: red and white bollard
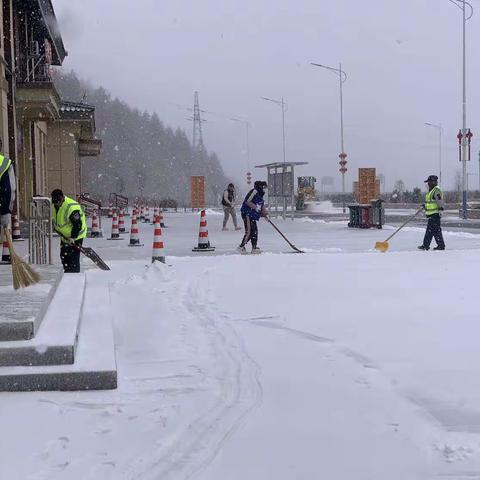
[(134, 236), (95, 231), (115, 235), (6, 259), (121, 222), (16, 233), (158, 255)]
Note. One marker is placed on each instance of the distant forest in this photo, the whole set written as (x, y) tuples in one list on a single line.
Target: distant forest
[(141, 156)]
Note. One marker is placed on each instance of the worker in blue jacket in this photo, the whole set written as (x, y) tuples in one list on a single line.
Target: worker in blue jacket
[(253, 208)]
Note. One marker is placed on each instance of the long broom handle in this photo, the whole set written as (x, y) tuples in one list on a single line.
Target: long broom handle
[(404, 224), (284, 237)]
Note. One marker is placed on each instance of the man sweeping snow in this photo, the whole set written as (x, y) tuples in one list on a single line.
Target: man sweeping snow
[(433, 206), (253, 208)]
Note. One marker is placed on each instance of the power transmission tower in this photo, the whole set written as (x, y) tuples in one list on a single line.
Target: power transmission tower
[(197, 143)]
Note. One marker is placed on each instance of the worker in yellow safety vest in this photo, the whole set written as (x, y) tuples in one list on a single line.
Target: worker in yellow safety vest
[(7, 190), (70, 223), (433, 207)]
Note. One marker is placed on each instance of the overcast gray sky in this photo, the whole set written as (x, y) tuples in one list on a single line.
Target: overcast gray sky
[(402, 57)]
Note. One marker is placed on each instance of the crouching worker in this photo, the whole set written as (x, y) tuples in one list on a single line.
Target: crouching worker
[(253, 208), (70, 223)]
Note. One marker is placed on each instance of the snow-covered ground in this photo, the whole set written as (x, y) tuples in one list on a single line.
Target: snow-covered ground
[(339, 364)]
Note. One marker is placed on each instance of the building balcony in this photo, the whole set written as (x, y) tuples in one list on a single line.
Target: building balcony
[(38, 101)]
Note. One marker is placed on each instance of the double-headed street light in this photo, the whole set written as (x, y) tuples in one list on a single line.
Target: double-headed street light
[(440, 135), (281, 103), (464, 136), (343, 156)]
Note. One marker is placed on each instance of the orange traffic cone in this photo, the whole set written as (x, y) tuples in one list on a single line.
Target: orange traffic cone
[(157, 252), (16, 233), (203, 241), (121, 222), (134, 237), (161, 220), (147, 215), (110, 211), (95, 232), (115, 235), (142, 213), (6, 251)]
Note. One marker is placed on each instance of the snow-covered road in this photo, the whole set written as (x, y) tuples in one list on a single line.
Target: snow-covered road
[(342, 364)]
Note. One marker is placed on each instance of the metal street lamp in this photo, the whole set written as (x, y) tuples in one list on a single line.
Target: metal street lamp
[(462, 4), (283, 105), (247, 143), (440, 135), (343, 162)]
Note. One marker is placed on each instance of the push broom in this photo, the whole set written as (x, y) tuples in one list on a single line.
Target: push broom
[(23, 274), (383, 246)]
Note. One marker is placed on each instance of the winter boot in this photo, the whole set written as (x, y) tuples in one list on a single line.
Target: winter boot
[(422, 247), (224, 229), (242, 250), (439, 248), (256, 251), (238, 228)]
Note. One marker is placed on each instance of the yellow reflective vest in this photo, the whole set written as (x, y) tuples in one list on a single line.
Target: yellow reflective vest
[(4, 165), (431, 205), (61, 219)]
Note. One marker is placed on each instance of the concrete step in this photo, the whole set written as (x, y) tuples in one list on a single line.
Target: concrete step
[(95, 364), (56, 340), (22, 311)]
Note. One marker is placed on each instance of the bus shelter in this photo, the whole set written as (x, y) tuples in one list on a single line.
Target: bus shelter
[(281, 187)]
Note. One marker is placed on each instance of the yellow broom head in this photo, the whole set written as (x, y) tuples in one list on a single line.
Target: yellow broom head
[(381, 246), (23, 274)]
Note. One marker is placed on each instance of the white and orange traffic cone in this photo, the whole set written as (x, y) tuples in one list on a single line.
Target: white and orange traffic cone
[(115, 235), (110, 211), (203, 241), (134, 237), (142, 213), (121, 222), (6, 259), (16, 233), (147, 215), (95, 231), (158, 255), (155, 213)]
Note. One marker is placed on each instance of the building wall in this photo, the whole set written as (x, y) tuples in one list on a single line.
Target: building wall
[(63, 162), (3, 90)]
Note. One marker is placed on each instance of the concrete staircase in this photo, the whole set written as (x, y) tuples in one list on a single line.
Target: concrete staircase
[(51, 339)]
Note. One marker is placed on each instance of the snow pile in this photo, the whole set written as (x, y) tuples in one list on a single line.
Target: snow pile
[(322, 207), (211, 211)]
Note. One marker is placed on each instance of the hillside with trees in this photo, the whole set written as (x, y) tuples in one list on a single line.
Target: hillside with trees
[(141, 155)]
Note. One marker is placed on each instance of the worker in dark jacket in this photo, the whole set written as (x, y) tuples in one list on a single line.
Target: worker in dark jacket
[(70, 223), (228, 203), (253, 208), (433, 206), (7, 191)]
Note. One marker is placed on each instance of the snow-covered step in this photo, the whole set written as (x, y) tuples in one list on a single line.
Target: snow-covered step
[(22, 311), (95, 364), (56, 340)]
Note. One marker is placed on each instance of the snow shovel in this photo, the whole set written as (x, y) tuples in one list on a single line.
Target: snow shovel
[(383, 246), (297, 250), (93, 256)]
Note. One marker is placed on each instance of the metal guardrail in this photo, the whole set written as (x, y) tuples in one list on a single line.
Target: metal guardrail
[(40, 231)]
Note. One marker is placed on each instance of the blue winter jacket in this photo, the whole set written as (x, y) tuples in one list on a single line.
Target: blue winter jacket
[(256, 197)]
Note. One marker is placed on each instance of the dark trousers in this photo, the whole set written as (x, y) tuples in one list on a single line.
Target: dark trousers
[(70, 257), (434, 230), (251, 231)]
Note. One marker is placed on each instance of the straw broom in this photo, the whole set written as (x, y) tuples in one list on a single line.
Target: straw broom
[(23, 274)]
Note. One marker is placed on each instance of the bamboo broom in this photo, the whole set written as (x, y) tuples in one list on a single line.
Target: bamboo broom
[(23, 274)]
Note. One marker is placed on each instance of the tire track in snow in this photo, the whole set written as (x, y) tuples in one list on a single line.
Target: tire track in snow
[(239, 393)]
